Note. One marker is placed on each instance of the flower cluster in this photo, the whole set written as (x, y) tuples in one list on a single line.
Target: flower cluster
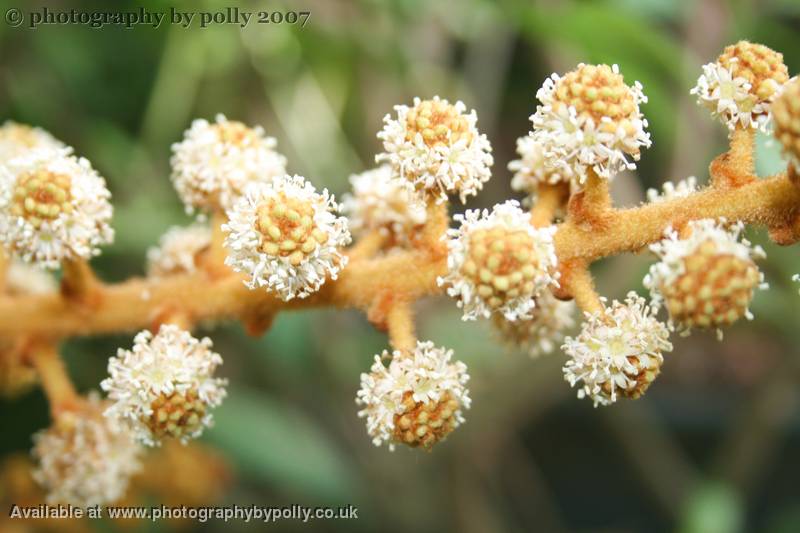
[(706, 275), (53, 207), (416, 399), (85, 459), (531, 169), (786, 113), (164, 386), (178, 250), (381, 203), (436, 147), (286, 236), (214, 163), (498, 262), (618, 351), (741, 84), (589, 120), (543, 330), (19, 139)]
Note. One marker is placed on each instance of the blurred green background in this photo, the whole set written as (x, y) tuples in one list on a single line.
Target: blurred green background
[(713, 445)]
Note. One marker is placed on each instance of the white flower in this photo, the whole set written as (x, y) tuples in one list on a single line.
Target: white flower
[(618, 351), (19, 139), (382, 203), (707, 277), (786, 113), (672, 191), (53, 206), (178, 250), (22, 278), (286, 237), (530, 170), (215, 162), (544, 330), (396, 395), (589, 119), (165, 385), (436, 147), (85, 459), (741, 85), (498, 262)]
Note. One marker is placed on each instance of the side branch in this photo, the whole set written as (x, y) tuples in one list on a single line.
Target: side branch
[(766, 202)]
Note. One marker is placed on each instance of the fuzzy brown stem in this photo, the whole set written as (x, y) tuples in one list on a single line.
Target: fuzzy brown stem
[(400, 323), (55, 381), (549, 199), (79, 283)]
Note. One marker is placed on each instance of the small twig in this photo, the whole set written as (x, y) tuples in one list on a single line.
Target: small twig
[(53, 375), (400, 323), (79, 283), (216, 257), (368, 245), (549, 199), (576, 281)]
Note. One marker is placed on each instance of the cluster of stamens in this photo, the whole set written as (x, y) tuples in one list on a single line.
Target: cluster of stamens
[(287, 228), (425, 423), (714, 290), (500, 264), (41, 196), (598, 92), (762, 67), (176, 415), (641, 371), (438, 122)]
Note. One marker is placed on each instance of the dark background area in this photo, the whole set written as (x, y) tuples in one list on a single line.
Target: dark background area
[(712, 447)]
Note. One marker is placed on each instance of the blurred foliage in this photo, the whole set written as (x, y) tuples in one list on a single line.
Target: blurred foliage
[(712, 446)]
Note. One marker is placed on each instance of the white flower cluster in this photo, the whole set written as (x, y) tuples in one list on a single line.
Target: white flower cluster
[(382, 203), (84, 459), (53, 206), (589, 119), (530, 170), (214, 163), (618, 351), (426, 376), (286, 236), (673, 191), (741, 85), (436, 147), (165, 385), (499, 262), (544, 330), (178, 250), (19, 139)]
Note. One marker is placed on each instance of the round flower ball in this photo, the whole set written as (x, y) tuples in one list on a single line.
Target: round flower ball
[(416, 398), (436, 147), (85, 459), (164, 387), (216, 161), (589, 120), (498, 262), (53, 207), (286, 237)]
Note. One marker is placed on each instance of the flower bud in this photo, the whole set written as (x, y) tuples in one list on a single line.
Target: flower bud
[(544, 330), (178, 251)]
